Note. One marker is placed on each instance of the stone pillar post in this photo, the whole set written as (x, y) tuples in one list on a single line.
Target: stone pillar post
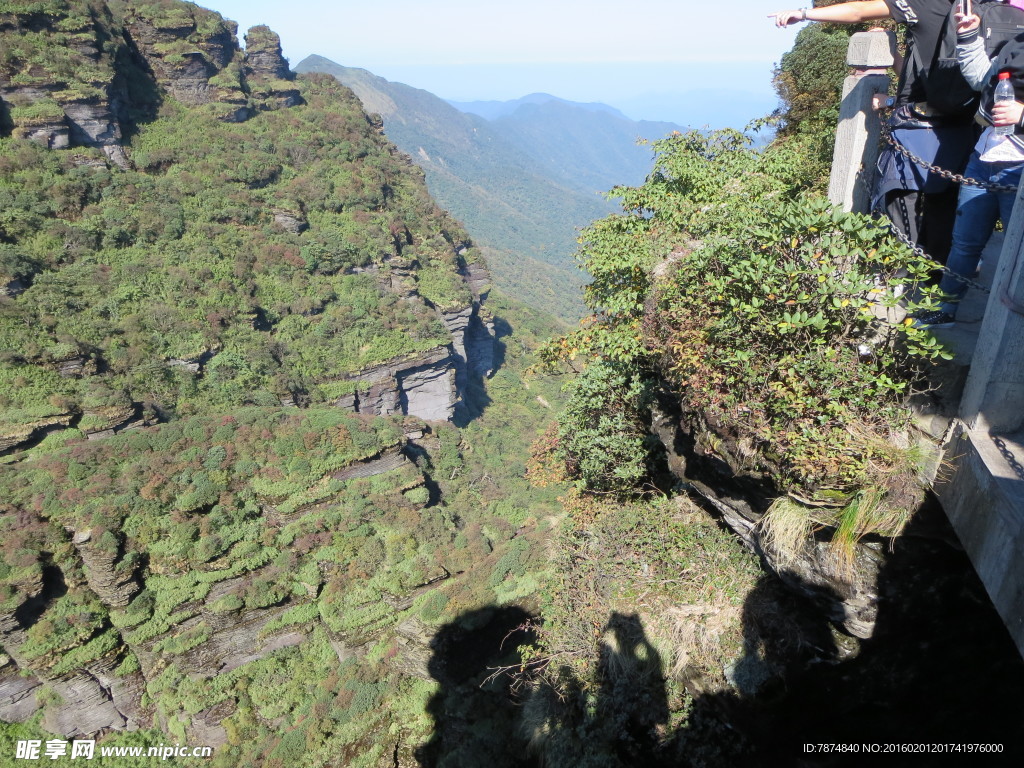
[(993, 399), (856, 150)]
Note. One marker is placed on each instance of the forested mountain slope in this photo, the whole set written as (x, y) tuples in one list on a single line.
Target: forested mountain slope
[(503, 189), (591, 146), (233, 329), (236, 338)]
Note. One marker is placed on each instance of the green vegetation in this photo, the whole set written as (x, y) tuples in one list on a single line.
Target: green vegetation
[(651, 595), (767, 314), (526, 215), (233, 267), (216, 560), (54, 58), (183, 259)]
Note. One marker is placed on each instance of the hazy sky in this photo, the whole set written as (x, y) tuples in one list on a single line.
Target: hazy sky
[(601, 50)]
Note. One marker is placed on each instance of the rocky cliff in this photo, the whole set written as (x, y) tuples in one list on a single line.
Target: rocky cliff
[(233, 326), (76, 75), (80, 75), (137, 618)]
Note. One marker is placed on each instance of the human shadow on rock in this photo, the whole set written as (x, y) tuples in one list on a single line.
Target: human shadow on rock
[(939, 668), (475, 716)]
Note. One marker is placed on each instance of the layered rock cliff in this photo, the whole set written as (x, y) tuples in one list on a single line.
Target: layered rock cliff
[(140, 616), (232, 318), (76, 75), (80, 75)]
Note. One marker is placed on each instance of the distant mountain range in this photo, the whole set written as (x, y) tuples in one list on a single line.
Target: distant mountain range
[(523, 175), (492, 110), (590, 145)]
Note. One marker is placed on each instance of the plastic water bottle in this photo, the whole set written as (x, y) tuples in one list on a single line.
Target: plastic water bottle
[(1004, 92)]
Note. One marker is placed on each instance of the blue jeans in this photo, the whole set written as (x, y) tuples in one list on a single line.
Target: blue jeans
[(976, 213)]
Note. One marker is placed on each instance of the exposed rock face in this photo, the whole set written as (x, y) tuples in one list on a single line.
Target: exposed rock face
[(73, 367), (206, 726), (413, 638), (478, 335), (189, 51), (94, 125), (429, 391), (17, 694), (430, 386), (263, 55), (114, 586), (92, 697), (423, 386), (237, 642), (47, 127), (267, 72), (290, 221), (458, 324), (848, 598), (478, 278), (88, 703), (22, 434), (104, 421), (60, 110), (194, 66), (399, 277), (387, 461)]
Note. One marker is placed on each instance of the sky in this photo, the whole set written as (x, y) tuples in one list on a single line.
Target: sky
[(655, 56)]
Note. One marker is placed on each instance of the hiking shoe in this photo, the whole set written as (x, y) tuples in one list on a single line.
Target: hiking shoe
[(934, 318)]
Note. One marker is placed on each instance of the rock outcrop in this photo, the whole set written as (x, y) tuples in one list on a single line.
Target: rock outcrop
[(58, 105), (91, 698), (266, 70), (428, 386), (114, 581), (17, 693), (21, 435), (194, 55), (188, 51), (120, 637), (847, 596)]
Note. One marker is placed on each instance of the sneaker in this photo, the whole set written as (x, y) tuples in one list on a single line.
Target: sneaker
[(934, 318)]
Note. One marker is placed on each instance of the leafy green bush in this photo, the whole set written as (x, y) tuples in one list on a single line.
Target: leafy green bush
[(772, 316), (418, 495)]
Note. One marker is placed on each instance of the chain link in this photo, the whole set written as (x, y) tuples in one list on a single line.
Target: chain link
[(922, 254), (957, 178), (1012, 460), (946, 174)]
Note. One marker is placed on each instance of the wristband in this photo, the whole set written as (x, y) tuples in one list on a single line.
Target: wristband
[(803, 14)]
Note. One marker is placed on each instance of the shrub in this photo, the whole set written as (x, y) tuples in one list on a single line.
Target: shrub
[(770, 315)]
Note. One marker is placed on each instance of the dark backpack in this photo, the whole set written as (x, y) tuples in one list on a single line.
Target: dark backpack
[(947, 90)]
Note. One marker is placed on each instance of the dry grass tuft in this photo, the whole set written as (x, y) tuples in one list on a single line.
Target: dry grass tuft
[(786, 529), (697, 635)]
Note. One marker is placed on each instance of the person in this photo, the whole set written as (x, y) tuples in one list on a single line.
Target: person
[(921, 203), (998, 159)]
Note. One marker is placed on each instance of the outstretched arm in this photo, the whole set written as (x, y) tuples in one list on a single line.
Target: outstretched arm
[(841, 13)]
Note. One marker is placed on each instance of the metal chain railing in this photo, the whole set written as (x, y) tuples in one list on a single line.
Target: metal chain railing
[(921, 253), (1012, 460), (956, 178), (944, 173)]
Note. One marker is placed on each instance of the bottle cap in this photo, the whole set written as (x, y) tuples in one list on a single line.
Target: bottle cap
[(1004, 75)]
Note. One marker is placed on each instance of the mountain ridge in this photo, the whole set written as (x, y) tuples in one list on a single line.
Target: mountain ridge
[(523, 183), (492, 109)]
